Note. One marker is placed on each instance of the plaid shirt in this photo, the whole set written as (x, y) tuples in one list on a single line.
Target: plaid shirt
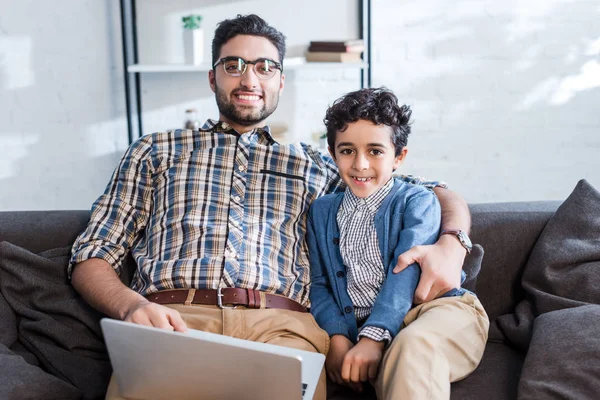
[(210, 208), (359, 249)]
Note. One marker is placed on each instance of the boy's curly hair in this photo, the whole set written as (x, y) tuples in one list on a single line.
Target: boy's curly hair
[(378, 105)]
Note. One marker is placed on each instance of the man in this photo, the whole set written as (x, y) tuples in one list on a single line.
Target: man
[(225, 207)]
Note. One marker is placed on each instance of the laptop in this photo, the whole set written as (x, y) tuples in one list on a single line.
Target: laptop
[(151, 363)]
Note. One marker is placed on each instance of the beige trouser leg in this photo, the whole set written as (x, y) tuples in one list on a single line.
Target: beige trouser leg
[(281, 327), (441, 341)]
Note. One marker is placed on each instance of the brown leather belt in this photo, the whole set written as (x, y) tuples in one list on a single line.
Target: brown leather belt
[(225, 298)]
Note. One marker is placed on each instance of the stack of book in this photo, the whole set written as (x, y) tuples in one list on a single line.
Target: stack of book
[(335, 51)]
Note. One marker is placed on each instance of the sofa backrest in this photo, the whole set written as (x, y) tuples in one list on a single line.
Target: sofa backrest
[(507, 232), (37, 231)]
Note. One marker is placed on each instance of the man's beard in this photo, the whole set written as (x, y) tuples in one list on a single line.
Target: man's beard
[(233, 114)]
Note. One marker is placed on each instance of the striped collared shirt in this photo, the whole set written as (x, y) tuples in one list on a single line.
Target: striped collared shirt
[(359, 248), (211, 208)]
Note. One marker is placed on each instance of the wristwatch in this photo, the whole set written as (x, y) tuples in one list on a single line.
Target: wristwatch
[(462, 237)]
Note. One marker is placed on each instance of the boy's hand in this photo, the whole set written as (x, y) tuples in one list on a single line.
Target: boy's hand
[(339, 347), (441, 265), (362, 361)]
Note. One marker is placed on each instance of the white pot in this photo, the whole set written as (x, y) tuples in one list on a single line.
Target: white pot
[(193, 46)]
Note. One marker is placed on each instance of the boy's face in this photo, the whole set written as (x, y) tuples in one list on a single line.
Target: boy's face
[(245, 101), (365, 156)]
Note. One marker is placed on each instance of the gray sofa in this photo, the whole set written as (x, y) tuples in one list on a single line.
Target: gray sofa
[(507, 232)]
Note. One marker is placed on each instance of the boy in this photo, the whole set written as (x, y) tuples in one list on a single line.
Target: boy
[(354, 240)]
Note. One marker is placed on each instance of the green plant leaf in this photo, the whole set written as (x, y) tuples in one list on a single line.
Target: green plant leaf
[(191, 21)]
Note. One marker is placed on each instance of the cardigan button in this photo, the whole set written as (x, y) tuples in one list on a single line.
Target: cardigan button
[(340, 274), (336, 241), (348, 309)]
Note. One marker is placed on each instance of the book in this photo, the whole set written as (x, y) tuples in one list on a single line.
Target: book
[(350, 46), (332, 56)]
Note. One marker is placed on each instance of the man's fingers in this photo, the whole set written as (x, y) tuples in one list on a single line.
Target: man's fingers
[(177, 322), (422, 293), (160, 320), (407, 258), (139, 318), (436, 292)]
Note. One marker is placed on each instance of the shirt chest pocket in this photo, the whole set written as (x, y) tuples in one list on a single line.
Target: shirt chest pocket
[(279, 195)]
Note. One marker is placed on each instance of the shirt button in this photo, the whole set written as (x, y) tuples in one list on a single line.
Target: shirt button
[(348, 309), (236, 198), (241, 168), (336, 241), (340, 274)]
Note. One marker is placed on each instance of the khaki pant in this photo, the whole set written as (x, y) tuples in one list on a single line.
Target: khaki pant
[(281, 327), (442, 341)]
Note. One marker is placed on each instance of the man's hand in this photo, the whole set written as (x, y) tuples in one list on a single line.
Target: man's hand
[(100, 286), (441, 265), (339, 347), (156, 315), (361, 363)]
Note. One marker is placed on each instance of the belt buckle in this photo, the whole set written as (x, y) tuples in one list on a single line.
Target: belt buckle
[(220, 300)]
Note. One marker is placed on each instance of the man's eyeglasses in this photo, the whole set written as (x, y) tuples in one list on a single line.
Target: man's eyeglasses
[(236, 66)]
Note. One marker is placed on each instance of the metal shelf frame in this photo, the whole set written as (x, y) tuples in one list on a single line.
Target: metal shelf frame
[(132, 78)]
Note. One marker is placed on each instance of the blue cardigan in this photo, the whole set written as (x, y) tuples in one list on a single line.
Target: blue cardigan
[(409, 216)]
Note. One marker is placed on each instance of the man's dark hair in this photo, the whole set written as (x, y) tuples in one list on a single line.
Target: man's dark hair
[(378, 105), (252, 25)]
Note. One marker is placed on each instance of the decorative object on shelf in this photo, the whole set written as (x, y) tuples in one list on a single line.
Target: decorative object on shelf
[(191, 119), (193, 39)]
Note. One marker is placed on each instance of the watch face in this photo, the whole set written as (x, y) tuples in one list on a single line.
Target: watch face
[(464, 238)]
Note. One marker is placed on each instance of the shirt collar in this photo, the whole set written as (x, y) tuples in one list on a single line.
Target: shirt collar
[(351, 202), (223, 127)]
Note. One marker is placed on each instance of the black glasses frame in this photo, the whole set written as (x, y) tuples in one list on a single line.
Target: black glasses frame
[(245, 63)]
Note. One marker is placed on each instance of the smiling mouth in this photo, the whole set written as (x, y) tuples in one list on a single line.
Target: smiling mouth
[(361, 179), (248, 97)]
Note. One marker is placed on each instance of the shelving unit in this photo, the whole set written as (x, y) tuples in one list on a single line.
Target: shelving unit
[(133, 69), (289, 64)]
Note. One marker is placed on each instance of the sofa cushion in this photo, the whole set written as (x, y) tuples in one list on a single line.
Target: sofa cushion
[(563, 361), (54, 323), (8, 327), (496, 377), (20, 380), (562, 271)]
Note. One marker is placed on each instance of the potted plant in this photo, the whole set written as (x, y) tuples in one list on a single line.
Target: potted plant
[(193, 39), (323, 141)]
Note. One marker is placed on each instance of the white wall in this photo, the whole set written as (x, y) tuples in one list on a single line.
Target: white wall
[(505, 94), (62, 126)]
